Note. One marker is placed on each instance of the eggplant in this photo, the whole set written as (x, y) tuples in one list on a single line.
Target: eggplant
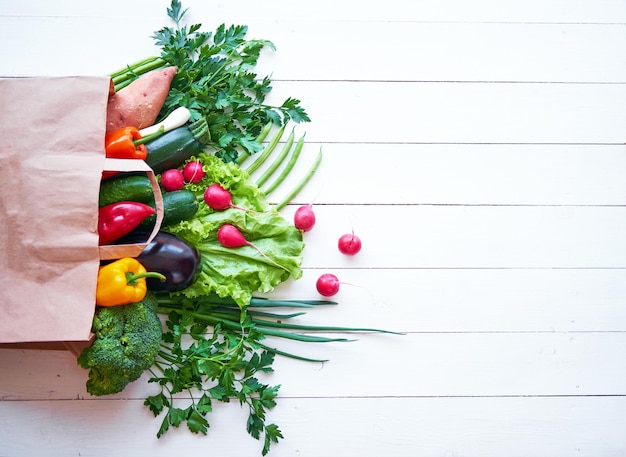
[(174, 258)]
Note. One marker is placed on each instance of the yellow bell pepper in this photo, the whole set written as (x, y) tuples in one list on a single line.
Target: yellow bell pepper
[(123, 282)]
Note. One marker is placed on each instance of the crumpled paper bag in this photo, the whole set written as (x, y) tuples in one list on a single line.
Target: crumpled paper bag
[(51, 160)]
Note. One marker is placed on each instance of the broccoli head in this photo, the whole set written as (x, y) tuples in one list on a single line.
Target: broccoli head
[(127, 342)]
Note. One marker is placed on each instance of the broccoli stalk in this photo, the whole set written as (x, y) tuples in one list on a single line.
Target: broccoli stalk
[(127, 342)]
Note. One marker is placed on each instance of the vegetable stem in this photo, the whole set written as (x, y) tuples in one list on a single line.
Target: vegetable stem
[(150, 136), (123, 77)]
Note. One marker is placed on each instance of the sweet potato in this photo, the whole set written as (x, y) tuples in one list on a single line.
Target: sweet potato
[(139, 103)]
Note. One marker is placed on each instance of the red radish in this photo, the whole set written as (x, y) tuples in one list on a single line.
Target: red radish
[(220, 199), (193, 172), (172, 180), (230, 236), (304, 218), (327, 284), (349, 244)]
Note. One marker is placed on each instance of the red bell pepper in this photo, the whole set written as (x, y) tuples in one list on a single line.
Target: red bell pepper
[(121, 218)]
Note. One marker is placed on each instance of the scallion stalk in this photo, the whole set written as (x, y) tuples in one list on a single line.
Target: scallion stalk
[(124, 76)]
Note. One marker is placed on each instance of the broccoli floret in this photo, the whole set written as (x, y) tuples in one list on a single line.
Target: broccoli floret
[(127, 341)]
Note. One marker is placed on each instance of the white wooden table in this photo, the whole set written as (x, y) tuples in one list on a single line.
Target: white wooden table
[(478, 150)]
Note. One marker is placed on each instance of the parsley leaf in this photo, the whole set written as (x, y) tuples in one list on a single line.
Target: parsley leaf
[(220, 366), (216, 80)]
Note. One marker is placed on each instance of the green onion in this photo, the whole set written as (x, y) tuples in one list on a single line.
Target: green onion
[(123, 77)]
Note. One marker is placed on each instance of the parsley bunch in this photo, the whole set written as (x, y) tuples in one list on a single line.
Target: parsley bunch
[(213, 351), (215, 80), (216, 366)]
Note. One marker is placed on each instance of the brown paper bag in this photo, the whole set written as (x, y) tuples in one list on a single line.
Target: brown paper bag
[(51, 160)]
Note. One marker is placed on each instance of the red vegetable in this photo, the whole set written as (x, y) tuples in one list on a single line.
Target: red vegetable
[(327, 284), (349, 244), (193, 172), (219, 199), (172, 180), (119, 219), (229, 236), (304, 218)]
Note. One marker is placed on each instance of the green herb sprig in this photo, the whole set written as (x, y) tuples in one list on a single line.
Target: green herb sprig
[(222, 364), (215, 80), (219, 366)]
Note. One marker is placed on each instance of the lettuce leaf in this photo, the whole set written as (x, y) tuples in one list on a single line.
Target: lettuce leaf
[(239, 272)]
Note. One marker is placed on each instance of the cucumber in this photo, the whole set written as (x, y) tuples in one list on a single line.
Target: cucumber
[(179, 205), (125, 187), (173, 148)]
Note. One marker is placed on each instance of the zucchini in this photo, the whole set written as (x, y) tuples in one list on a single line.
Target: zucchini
[(125, 187), (179, 205), (173, 148)]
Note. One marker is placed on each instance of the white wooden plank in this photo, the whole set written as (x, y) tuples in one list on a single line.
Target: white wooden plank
[(421, 364), (514, 360), (397, 236), (402, 427), (370, 112), (73, 46), (410, 51), (417, 51), (469, 300), (437, 364), (468, 174), (581, 11)]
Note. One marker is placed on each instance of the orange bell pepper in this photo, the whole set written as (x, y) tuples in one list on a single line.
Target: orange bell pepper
[(128, 143)]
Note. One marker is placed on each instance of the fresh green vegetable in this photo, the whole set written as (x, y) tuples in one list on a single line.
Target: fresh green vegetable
[(213, 348), (305, 179), (222, 364), (123, 77), (216, 82), (177, 118), (237, 273), (125, 187), (179, 205), (277, 162), (173, 148), (127, 341), (267, 150), (244, 155), (290, 164)]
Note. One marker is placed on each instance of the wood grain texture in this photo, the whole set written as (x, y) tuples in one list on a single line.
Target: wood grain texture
[(478, 149), (403, 427)]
